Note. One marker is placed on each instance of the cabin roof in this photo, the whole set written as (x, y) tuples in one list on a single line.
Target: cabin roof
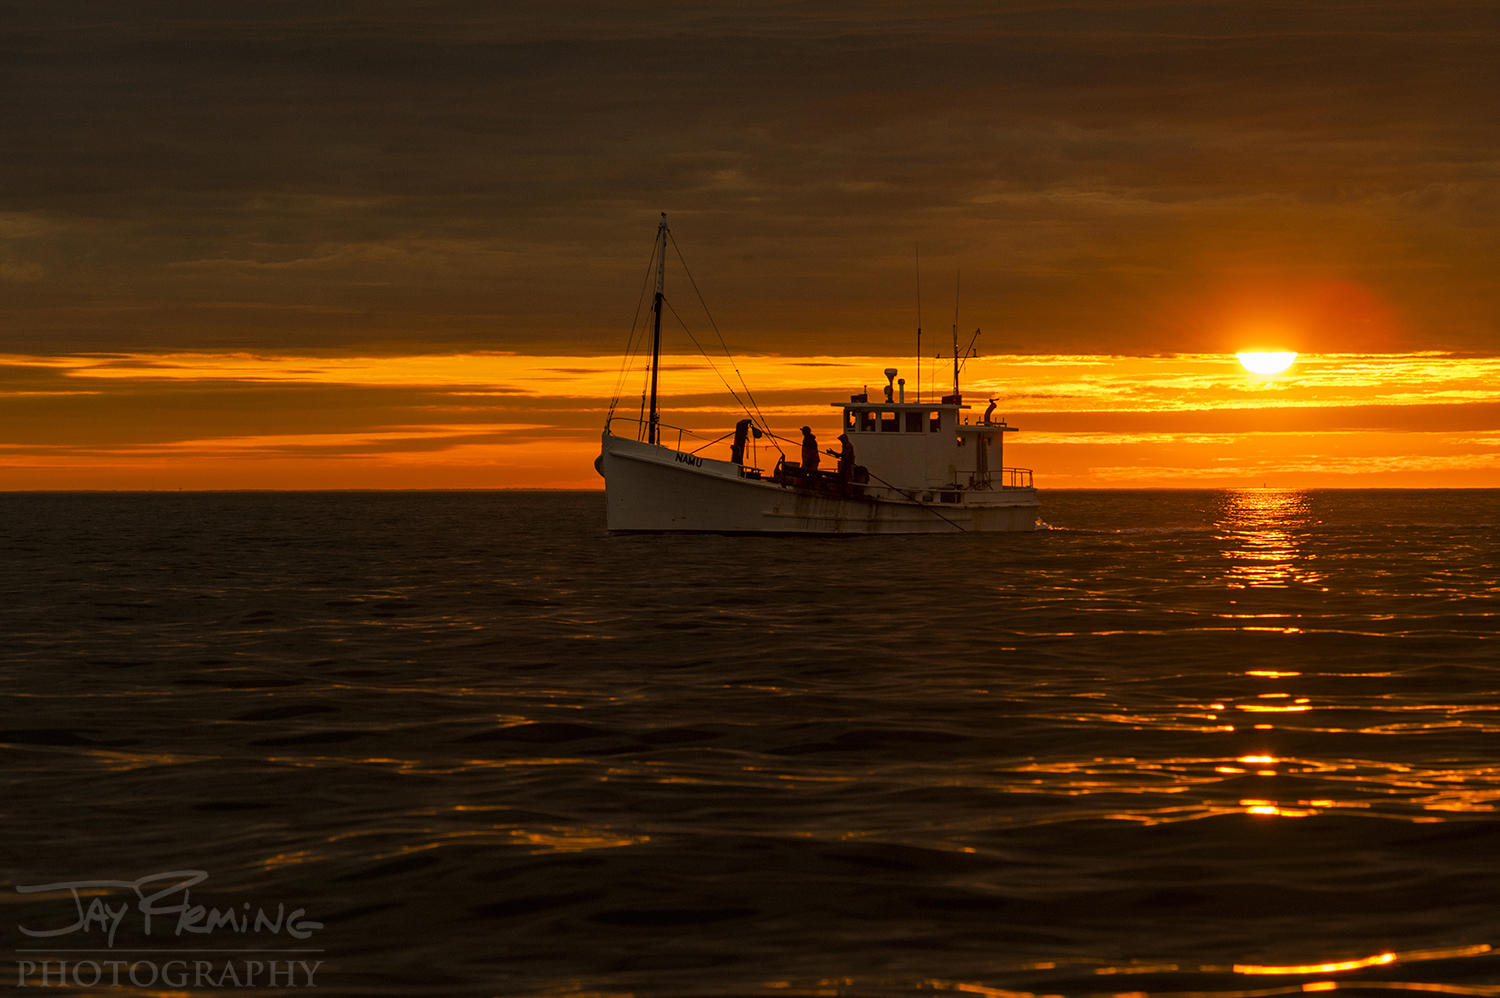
[(898, 406)]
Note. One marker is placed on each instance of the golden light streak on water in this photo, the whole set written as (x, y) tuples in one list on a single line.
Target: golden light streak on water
[(1330, 967), (572, 839), (980, 989), (1311, 986), (1446, 989), (1317, 968), (1257, 993), (1260, 526), (1445, 953)]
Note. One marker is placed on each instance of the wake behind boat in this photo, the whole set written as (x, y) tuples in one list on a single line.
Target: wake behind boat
[(901, 468)]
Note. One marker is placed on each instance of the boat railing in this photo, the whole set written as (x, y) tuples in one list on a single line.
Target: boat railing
[(746, 471), (641, 424), (1015, 478)]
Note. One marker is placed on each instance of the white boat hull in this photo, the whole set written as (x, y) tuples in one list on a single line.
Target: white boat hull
[(649, 488)]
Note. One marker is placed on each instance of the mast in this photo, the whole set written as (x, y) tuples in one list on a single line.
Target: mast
[(661, 273)]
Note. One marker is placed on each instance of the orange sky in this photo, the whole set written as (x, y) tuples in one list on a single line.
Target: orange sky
[(377, 244), (485, 420)]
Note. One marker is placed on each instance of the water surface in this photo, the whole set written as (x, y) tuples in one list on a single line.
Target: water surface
[(1211, 741)]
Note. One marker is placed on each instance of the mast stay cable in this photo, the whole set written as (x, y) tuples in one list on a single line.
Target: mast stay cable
[(748, 394), (630, 343), (706, 357)]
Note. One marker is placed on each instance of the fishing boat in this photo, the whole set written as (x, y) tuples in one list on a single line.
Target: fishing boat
[(902, 467)]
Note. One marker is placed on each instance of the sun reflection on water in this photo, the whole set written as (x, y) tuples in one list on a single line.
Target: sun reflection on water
[(1189, 980), (1150, 791), (1261, 528)]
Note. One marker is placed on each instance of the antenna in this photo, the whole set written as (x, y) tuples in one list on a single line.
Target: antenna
[(919, 322), (956, 286)]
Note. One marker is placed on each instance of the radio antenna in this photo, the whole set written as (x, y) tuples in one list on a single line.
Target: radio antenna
[(919, 322), (957, 284)]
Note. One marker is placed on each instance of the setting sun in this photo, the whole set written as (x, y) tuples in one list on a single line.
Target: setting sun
[(1266, 363)]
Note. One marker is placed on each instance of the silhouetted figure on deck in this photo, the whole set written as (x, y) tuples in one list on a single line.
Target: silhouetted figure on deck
[(742, 431), (809, 451), (846, 456)]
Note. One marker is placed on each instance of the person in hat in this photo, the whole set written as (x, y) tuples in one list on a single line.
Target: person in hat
[(846, 456), (809, 450)]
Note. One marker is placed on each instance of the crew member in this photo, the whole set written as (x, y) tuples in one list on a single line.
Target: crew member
[(809, 450), (846, 456), (742, 431)]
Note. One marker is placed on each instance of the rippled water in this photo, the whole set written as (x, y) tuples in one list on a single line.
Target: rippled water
[(1205, 742)]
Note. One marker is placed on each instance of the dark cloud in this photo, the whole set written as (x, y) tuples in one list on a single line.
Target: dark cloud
[(1109, 176)]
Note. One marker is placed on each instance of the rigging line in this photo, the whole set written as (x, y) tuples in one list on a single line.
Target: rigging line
[(711, 442), (748, 394), (969, 350), (645, 385), (627, 356), (931, 509), (706, 357), (630, 343), (640, 416)]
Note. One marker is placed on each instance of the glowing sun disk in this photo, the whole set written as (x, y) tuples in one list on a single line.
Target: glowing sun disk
[(1266, 363)]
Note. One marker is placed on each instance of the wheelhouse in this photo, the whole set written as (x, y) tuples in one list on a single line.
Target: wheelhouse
[(932, 446)]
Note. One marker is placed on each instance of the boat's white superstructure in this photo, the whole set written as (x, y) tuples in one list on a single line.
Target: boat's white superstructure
[(903, 467)]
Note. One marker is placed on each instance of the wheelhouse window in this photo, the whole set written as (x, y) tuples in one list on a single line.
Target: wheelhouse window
[(913, 422), (867, 421), (851, 419), (934, 422), (889, 423)]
